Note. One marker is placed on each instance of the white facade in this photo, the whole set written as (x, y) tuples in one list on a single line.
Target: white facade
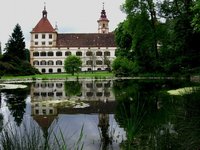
[(48, 56)]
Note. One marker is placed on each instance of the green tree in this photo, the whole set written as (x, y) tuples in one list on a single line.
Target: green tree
[(72, 88), (72, 64), (16, 45)]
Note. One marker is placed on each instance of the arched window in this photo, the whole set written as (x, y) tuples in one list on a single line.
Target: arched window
[(98, 53), (99, 62), (58, 53), (59, 70), (35, 53), (43, 62), (58, 62), (88, 53), (50, 70), (78, 53), (68, 53), (50, 62), (36, 63), (43, 54), (50, 54), (43, 70), (106, 53), (89, 62)]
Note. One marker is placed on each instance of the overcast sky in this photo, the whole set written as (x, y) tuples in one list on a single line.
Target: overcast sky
[(72, 16)]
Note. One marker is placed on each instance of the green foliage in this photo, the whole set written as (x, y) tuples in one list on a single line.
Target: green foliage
[(12, 65), (124, 67), (165, 46), (16, 45), (72, 88), (72, 64)]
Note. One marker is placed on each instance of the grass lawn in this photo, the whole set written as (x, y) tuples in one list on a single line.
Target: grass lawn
[(63, 76)]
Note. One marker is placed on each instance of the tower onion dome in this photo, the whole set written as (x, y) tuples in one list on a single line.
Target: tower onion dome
[(44, 13), (103, 15)]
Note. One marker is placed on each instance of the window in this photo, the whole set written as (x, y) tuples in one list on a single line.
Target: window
[(58, 53), (51, 94), (88, 53), (59, 70), (35, 53), (50, 53), (36, 36), (36, 43), (44, 111), (50, 43), (50, 62), (50, 85), (58, 62), (106, 94), (50, 36), (50, 70), (43, 94), (68, 53), (89, 62), (99, 85), (43, 54), (43, 36), (50, 111), (89, 85), (36, 63), (106, 53), (99, 94), (59, 94), (59, 85), (43, 62), (89, 94), (78, 53), (43, 43), (36, 111), (99, 53), (99, 62)]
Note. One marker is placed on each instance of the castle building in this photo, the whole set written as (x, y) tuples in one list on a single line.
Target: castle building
[(48, 48)]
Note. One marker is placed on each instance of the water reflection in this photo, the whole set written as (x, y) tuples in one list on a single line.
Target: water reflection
[(121, 114)]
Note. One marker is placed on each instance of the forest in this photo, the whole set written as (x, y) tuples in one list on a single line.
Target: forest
[(158, 37)]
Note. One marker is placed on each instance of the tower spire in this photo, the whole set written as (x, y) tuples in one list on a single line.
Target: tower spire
[(44, 12), (103, 22)]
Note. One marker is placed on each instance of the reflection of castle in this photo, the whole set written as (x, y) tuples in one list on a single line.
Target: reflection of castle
[(90, 91)]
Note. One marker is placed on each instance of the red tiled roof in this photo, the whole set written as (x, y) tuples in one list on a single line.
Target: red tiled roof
[(86, 40), (43, 26)]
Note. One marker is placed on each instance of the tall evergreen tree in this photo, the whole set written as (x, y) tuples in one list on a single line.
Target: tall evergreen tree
[(16, 45)]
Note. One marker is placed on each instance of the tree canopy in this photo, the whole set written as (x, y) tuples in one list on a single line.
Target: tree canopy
[(16, 45), (15, 60), (72, 64), (159, 36)]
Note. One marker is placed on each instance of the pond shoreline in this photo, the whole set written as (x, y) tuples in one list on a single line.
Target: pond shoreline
[(27, 80)]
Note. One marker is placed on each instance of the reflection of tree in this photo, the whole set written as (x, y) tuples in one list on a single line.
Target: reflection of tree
[(104, 127), (1, 115), (16, 103), (72, 88), (144, 113)]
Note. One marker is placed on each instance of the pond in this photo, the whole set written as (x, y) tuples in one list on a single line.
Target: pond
[(101, 114)]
